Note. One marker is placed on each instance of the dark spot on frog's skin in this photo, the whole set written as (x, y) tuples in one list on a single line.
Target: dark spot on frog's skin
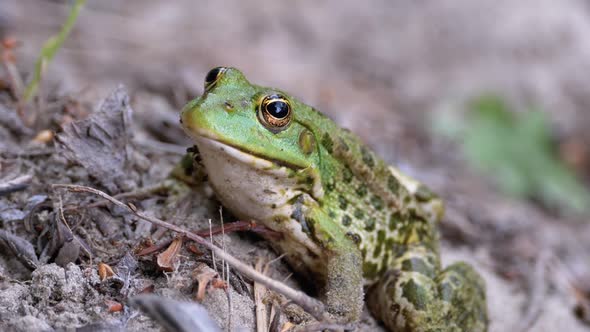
[(415, 293), (380, 243), (308, 180), (343, 144), (346, 220), (180, 120), (347, 175), (307, 225), (359, 214), (415, 217), (394, 220), (381, 236), (331, 214), (385, 260), (273, 206), (361, 191), (297, 211), (407, 200), (269, 192), (343, 202), (377, 202), (330, 186), (369, 224), (369, 269), (392, 184), (367, 157), (415, 264), (328, 143), (354, 237), (397, 249)]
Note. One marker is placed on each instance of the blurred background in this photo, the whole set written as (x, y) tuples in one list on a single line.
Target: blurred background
[(485, 101)]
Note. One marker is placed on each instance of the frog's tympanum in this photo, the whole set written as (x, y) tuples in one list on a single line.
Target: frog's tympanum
[(348, 221)]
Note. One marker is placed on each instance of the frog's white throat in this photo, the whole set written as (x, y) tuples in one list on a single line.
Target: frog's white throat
[(257, 189), (251, 187)]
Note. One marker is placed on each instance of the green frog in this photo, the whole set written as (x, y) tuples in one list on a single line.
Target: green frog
[(363, 230)]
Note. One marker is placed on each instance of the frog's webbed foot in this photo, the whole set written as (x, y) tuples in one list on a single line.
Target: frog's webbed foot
[(413, 297)]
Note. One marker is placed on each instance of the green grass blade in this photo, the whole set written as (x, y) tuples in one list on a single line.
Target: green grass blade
[(50, 48)]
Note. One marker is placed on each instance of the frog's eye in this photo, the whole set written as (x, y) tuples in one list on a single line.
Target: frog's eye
[(274, 112), (213, 76)]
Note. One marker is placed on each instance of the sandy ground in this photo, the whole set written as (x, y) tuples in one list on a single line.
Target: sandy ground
[(382, 69)]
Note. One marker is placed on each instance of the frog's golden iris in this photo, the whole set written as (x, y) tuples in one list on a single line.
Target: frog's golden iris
[(274, 112)]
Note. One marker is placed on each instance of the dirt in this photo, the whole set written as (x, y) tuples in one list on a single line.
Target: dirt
[(382, 69)]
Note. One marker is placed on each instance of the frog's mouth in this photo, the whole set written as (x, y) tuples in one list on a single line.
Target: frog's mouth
[(240, 153)]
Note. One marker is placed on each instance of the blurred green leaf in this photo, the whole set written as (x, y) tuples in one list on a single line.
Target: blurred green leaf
[(517, 151), (50, 48)]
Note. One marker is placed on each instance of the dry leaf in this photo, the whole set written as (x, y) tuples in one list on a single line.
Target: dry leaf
[(204, 275), (105, 271), (44, 136), (166, 259), (113, 306), (287, 326)]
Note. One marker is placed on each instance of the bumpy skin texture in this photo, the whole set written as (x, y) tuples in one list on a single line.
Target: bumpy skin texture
[(347, 219)]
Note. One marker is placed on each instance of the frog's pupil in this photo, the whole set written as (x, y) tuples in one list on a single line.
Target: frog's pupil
[(212, 75), (278, 109)]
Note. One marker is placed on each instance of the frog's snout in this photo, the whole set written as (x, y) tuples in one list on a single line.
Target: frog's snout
[(187, 120), (184, 121)]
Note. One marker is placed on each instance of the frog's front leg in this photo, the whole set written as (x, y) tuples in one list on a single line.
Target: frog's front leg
[(414, 295), (343, 285)]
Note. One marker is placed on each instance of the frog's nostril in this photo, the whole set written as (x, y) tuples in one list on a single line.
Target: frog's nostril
[(228, 106)]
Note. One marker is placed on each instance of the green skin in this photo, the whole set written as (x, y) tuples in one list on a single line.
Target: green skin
[(347, 218)]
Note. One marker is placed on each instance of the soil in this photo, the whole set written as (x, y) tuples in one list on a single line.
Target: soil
[(107, 117)]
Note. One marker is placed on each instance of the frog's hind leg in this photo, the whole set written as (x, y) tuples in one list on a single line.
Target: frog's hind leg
[(412, 296), (461, 286)]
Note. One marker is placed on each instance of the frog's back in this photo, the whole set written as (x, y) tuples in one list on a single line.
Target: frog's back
[(377, 206)]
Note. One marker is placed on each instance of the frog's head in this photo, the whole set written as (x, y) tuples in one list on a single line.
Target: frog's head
[(254, 125)]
